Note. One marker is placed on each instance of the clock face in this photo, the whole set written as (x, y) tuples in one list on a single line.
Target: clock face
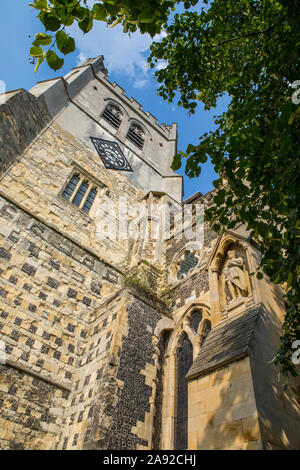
[(111, 154)]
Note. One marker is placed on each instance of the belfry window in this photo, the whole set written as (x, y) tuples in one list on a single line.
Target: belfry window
[(136, 135), (80, 192), (113, 115)]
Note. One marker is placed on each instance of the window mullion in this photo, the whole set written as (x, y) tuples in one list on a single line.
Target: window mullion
[(86, 195), (76, 189)]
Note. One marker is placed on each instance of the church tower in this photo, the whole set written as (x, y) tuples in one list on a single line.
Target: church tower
[(120, 328)]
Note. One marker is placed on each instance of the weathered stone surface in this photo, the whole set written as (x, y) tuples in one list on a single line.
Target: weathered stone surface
[(93, 327)]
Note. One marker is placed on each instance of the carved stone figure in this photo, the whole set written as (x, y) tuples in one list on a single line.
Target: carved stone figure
[(234, 276)]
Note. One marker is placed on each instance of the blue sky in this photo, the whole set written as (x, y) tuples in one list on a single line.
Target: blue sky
[(126, 58)]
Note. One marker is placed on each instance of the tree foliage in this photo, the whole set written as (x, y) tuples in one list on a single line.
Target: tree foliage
[(146, 15), (249, 50)]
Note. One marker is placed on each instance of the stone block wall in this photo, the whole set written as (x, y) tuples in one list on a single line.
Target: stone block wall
[(222, 409), (49, 290), (22, 118), (278, 409), (31, 410), (37, 180)]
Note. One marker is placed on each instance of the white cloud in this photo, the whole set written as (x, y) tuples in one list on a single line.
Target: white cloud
[(81, 58), (123, 54), (140, 83), (2, 90)]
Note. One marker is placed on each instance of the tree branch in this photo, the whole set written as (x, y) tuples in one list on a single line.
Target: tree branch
[(255, 33)]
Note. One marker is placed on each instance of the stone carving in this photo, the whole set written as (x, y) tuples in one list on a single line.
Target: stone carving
[(234, 276), (115, 111)]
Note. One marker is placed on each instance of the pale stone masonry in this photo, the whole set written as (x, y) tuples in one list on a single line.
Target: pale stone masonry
[(123, 343)]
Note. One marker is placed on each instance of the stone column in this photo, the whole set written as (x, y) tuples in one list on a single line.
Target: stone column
[(214, 290)]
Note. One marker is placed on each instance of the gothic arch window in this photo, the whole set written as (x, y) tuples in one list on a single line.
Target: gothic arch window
[(204, 332), (136, 135), (80, 192), (195, 319), (184, 363), (113, 115)]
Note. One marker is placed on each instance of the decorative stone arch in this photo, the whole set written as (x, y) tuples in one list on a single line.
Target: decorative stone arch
[(175, 339), (204, 328), (206, 318), (229, 279)]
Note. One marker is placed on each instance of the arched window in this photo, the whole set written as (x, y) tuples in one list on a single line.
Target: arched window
[(113, 115), (184, 363), (80, 192), (195, 319), (205, 331), (136, 135)]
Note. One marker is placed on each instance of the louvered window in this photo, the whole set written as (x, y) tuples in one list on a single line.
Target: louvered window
[(113, 115), (136, 135), (80, 192)]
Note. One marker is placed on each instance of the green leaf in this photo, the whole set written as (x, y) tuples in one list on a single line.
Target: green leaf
[(259, 275), (39, 4), (39, 61), (87, 23), (42, 39), (264, 230), (36, 51), (146, 16), (65, 16), (65, 43), (54, 61), (112, 8), (50, 21), (99, 12), (176, 164), (220, 197), (79, 12)]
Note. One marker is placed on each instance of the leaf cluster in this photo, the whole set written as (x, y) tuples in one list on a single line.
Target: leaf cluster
[(148, 16), (249, 50)]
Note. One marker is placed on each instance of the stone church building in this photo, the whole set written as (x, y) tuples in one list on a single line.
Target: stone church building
[(118, 342)]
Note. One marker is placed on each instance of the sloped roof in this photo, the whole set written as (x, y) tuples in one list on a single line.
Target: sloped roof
[(226, 342)]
